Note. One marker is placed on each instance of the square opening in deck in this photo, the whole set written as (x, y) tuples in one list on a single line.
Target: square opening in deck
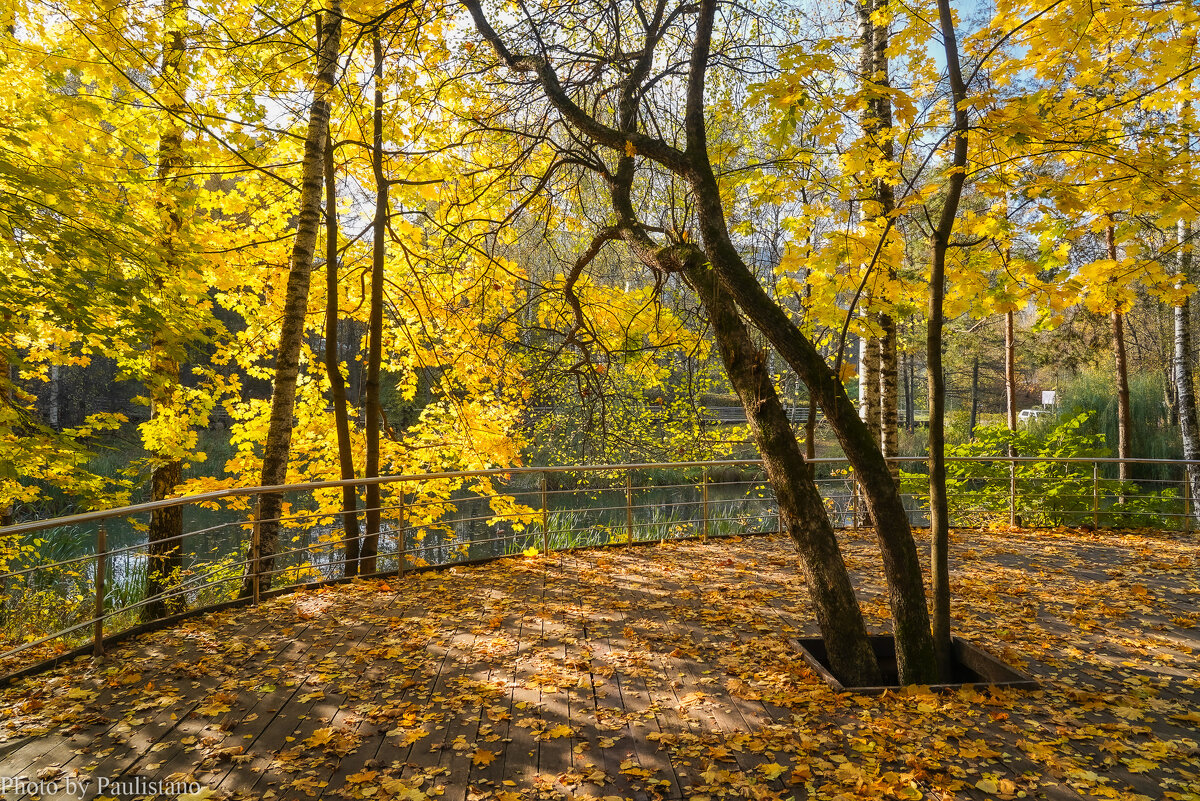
[(971, 666)]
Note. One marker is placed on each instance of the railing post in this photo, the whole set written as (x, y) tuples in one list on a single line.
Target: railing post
[(545, 519), (704, 503), (400, 530), (854, 504), (1012, 491), (256, 552), (1095, 495), (1187, 501), (101, 560), (628, 507)]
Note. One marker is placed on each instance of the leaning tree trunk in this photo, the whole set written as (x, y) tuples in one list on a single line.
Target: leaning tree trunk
[(802, 511), (1185, 391), (902, 568), (1124, 415), (910, 613), (295, 305), (939, 510), (375, 325), (333, 369), (165, 534)]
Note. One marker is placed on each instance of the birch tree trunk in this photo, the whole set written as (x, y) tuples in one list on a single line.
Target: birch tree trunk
[(880, 399), (333, 369), (868, 401), (868, 384), (1185, 391), (889, 393), (885, 193), (165, 546), (287, 361), (868, 345)]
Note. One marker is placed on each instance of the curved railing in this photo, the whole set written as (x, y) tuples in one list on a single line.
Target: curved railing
[(80, 580)]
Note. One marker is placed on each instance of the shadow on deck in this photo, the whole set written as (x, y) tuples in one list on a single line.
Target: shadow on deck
[(659, 672)]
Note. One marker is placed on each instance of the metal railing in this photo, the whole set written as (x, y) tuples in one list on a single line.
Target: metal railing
[(75, 580)]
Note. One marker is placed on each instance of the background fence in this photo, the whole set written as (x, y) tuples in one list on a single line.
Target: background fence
[(69, 581)]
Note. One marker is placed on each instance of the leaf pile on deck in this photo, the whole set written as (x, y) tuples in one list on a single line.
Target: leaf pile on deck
[(659, 672)]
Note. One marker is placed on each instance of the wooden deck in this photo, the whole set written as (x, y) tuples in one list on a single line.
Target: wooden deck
[(642, 673)]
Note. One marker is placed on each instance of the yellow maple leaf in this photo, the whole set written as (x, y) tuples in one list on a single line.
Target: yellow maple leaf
[(320, 737), (530, 552), (988, 785), (484, 757), (397, 789), (203, 794), (407, 736), (561, 730), (772, 771), (630, 150)]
